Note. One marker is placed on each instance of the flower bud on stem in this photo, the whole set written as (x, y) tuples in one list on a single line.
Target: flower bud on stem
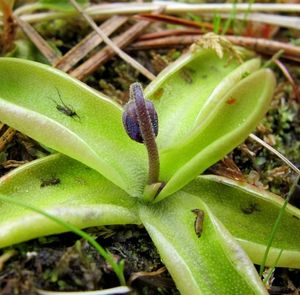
[(141, 124)]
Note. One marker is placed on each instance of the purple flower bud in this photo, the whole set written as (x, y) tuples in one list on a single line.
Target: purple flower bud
[(131, 123)]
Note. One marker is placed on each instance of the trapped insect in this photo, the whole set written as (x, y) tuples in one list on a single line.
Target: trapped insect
[(63, 108), (251, 208), (50, 181), (198, 221)]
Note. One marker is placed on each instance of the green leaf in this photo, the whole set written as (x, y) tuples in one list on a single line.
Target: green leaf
[(30, 101), (27, 50), (117, 267), (82, 197), (233, 118), (60, 5), (213, 263), (249, 214), (180, 91)]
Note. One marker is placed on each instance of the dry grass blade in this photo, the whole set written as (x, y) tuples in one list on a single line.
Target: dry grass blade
[(106, 10), (87, 44), (116, 49), (43, 16), (103, 55), (177, 8), (275, 152), (111, 291), (50, 54), (292, 22)]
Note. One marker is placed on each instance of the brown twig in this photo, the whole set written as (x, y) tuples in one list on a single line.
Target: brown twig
[(288, 76), (266, 46), (113, 46), (6, 137), (166, 33), (87, 44), (50, 54), (176, 20), (121, 41), (260, 45)]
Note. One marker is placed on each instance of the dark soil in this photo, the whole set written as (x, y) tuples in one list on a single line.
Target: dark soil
[(65, 263)]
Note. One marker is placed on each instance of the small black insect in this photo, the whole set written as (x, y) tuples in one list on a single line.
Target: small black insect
[(186, 75), (50, 181), (63, 108), (251, 208), (198, 221)]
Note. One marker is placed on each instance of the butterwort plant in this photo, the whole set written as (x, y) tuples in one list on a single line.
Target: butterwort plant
[(141, 165)]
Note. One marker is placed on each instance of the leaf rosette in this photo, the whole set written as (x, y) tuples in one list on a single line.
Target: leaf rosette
[(206, 106)]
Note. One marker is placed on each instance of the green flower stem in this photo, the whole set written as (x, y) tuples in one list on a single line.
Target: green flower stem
[(271, 271), (136, 93), (276, 226)]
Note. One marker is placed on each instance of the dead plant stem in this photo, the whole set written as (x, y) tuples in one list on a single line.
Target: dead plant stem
[(265, 46), (90, 65), (49, 53), (116, 49), (86, 45), (289, 77)]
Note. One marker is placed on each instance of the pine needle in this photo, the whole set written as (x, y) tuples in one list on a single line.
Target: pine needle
[(117, 50)]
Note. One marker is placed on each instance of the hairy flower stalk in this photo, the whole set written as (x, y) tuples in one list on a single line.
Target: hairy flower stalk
[(141, 124)]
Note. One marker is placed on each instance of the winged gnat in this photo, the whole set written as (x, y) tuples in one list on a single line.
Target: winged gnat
[(63, 108)]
